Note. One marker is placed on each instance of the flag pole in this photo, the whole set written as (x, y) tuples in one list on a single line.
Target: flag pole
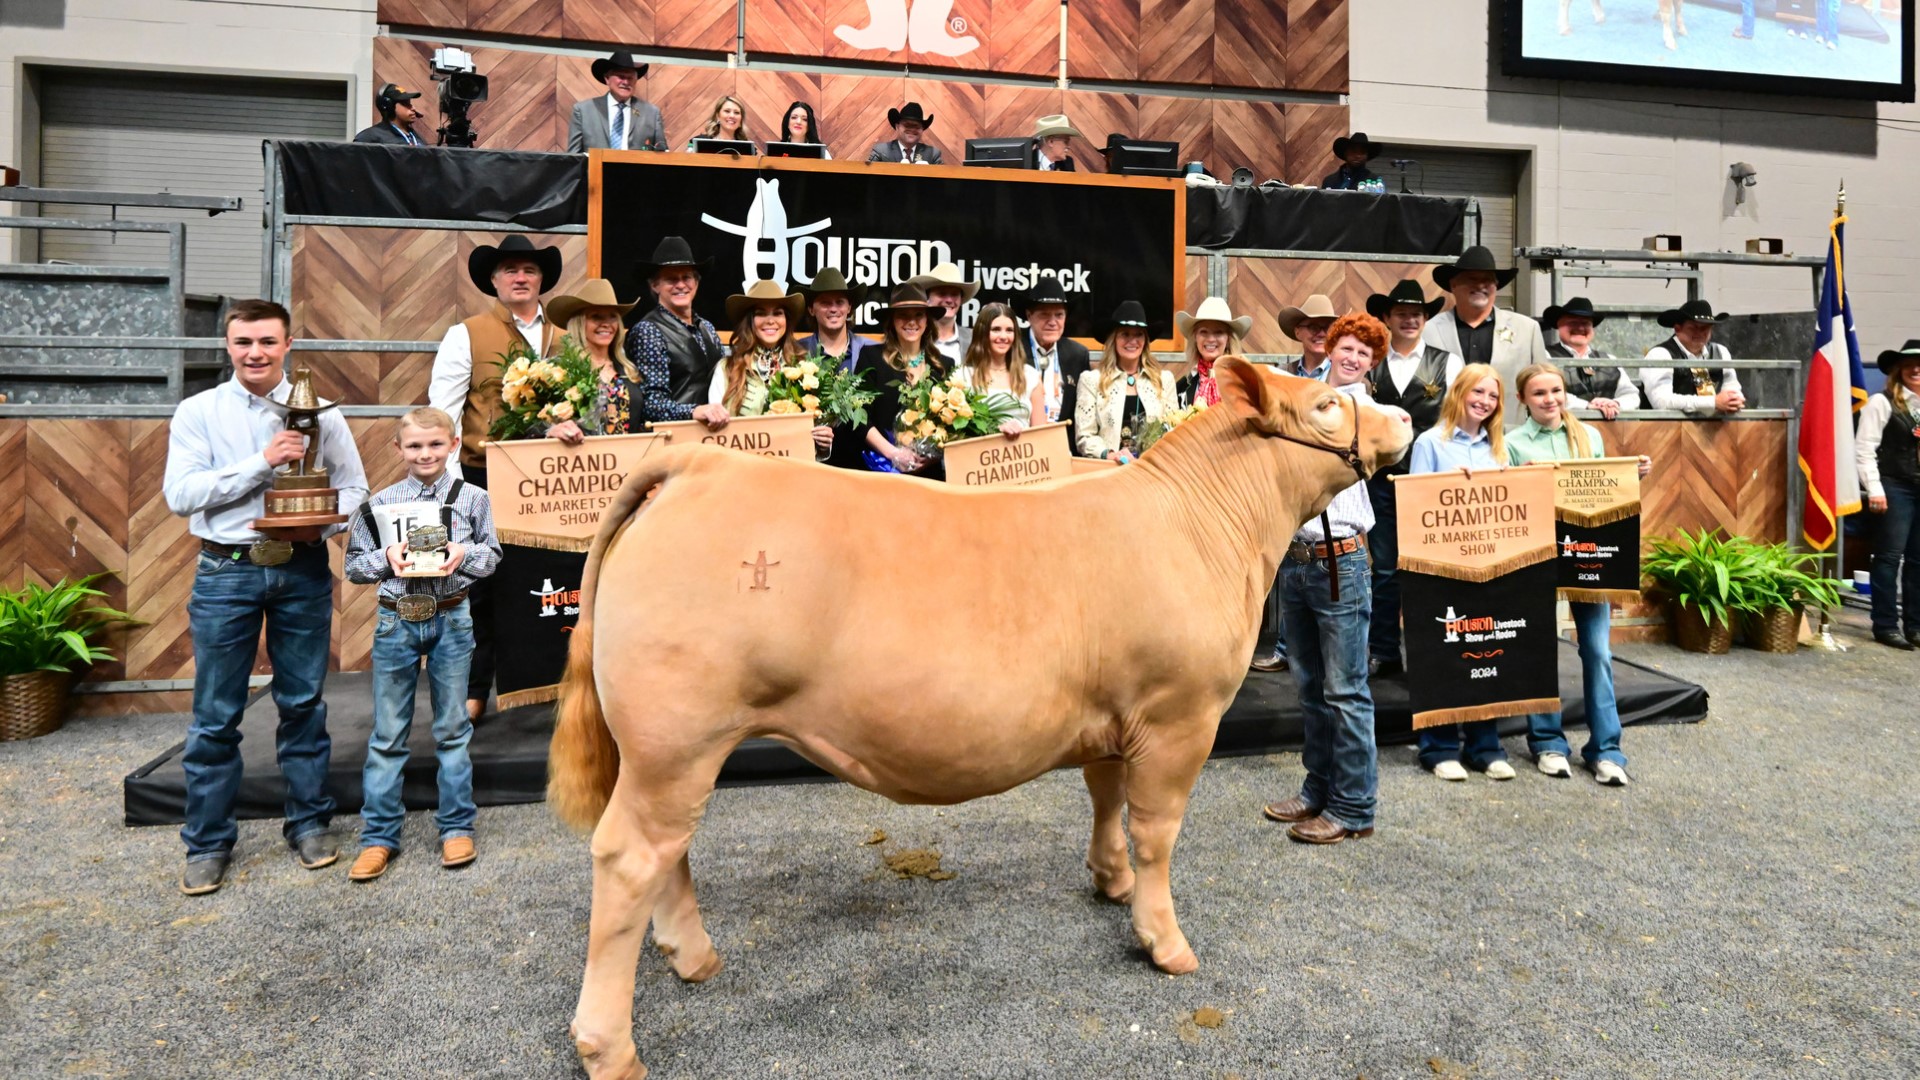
[(1824, 638)]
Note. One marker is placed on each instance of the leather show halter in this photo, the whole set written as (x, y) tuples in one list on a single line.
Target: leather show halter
[(1350, 455)]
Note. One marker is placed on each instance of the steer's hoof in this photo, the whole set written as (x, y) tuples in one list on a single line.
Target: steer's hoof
[(607, 1062), (1180, 962), (692, 967), (1114, 888)]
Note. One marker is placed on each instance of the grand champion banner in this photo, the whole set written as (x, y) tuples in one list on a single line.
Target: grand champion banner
[(1106, 238), (1036, 455), (1477, 575), (1597, 504), (787, 435)]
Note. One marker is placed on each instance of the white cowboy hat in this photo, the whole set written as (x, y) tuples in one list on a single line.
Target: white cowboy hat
[(1056, 124), (947, 276), (1212, 309)]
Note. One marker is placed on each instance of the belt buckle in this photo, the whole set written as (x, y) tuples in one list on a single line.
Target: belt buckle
[(416, 607), (269, 552), (1300, 552)]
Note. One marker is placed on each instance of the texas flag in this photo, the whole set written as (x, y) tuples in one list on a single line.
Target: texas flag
[(1836, 389)]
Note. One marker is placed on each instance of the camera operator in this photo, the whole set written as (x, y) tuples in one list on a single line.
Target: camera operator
[(397, 116)]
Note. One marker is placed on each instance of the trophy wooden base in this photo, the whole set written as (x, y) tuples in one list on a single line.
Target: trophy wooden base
[(294, 521), (291, 504)]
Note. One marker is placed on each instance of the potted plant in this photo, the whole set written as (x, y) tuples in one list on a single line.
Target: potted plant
[(45, 637), (1703, 577), (1782, 581)]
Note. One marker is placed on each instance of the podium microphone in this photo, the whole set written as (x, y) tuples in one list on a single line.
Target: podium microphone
[(1401, 164)]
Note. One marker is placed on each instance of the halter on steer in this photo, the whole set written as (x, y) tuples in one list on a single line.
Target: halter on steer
[(1350, 455)]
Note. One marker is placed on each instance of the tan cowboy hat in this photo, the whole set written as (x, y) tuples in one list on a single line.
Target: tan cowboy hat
[(593, 293), (1057, 124), (1316, 307), (1212, 309), (947, 276), (761, 292)]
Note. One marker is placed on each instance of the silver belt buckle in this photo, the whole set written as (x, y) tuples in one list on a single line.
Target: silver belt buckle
[(269, 552), (416, 607)]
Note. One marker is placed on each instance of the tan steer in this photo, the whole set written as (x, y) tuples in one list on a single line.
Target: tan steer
[(759, 598)]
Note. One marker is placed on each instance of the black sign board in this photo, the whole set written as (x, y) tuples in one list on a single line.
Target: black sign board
[(536, 601), (1600, 563), (1480, 649)]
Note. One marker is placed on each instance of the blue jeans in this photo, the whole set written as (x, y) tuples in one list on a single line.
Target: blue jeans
[(1594, 624), (1383, 540), (1826, 20), (229, 600), (1327, 643), (1897, 536), (446, 640), (1481, 741), (1273, 631)]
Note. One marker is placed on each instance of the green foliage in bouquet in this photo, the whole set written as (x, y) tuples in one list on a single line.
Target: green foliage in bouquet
[(934, 413), (817, 385), (1153, 430), (541, 393)]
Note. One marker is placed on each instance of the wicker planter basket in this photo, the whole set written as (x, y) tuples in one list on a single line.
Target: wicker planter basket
[(1775, 630), (1691, 632), (33, 704)]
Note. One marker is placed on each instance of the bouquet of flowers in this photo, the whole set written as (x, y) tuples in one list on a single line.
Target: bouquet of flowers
[(817, 385), (1153, 430), (541, 393), (935, 413)]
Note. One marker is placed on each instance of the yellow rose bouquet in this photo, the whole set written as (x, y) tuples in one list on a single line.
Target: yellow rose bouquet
[(1152, 431), (537, 393), (817, 385), (934, 413)]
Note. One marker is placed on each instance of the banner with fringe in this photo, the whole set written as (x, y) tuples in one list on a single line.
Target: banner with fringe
[(1597, 503), (549, 495)]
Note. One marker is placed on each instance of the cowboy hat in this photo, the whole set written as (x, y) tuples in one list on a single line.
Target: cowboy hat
[(764, 292), (1057, 124), (1405, 292), (1698, 311), (614, 62), (1213, 309), (1474, 258), (1130, 313), (1046, 290), (912, 112), (594, 293), (1316, 307), (947, 276), (1891, 359), (907, 297), (671, 251), (1356, 141), (484, 259), (831, 280), (1577, 308)]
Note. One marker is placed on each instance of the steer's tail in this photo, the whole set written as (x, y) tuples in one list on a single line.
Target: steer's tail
[(584, 761)]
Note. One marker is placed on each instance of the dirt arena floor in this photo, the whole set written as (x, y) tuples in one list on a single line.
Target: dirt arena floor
[(1748, 907)]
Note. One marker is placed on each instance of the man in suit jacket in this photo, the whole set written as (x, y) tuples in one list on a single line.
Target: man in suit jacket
[(397, 116), (1058, 358), (1052, 149), (1482, 334), (909, 125), (617, 119)]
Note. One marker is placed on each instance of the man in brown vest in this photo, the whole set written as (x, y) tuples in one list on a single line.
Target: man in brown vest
[(466, 385)]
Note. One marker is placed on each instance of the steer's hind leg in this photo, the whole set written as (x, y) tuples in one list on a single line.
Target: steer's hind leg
[(678, 931), (1107, 853), (1160, 777)]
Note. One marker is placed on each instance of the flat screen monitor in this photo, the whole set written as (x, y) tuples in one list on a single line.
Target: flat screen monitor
[(1143, 157), (741, 147), (1830, 48), (796, 149), (1000, 153)]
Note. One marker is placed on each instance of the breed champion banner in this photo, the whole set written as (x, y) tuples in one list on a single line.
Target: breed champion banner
[(1597, 505), (548, 494), (1478, 573), (1105, 238)]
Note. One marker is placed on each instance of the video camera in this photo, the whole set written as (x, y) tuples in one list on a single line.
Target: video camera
[(461, 87)]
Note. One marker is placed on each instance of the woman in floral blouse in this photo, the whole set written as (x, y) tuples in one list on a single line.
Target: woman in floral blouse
[(592, 318)]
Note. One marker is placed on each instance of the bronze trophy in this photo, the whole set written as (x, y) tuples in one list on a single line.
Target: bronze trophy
[(300, 495)]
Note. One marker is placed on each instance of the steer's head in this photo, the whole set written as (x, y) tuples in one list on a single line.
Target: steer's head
[(1309, 412)]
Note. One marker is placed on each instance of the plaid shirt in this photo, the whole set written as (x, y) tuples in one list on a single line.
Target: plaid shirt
[(472, 526)]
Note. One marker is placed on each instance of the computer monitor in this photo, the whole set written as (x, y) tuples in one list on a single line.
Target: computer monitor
[(796, 149), (740, 147), (1143, 157), (1000, 153)]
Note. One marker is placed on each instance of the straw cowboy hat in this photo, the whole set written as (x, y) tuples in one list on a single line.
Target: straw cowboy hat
[(1404, 292), (764, 292), (1213, 309), (1891, 359), (947, 276), (1316, 307), (1474, 258), (594, 293), (1577, 308), (1057, 124), (485, 259)]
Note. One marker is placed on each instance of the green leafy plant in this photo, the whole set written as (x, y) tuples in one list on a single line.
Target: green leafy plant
[(49, 629), (1785, 578), (1711, 573)]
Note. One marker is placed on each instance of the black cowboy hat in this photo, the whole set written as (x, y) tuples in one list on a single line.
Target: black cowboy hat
[(907, 297), (831, 280), (1129, 313), (1404, 292), (484, 260), (1579, 308), (911, 112), (1474, 258), (1891, 359), (671, 251), (1046, 290), (1691, 311), (617, 60), (1356, 141)]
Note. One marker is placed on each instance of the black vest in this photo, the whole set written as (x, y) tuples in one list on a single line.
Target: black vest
[(692, 354), (1583, 382), (1424, 393), (1684, 382), (1899, 453)]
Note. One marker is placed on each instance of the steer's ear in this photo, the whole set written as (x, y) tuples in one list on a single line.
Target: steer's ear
[(1250, 392)]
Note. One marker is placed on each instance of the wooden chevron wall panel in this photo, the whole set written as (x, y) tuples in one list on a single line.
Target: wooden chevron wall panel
[(768, 94), (76, 512), (695, 24), (1250, 134), (521, 18), (621, 25), (1250, 43), (1010, 111), (1735, 475), (1316, 43), (446, 14), (1187, 121), (686, 97), (161, 556), (1311, 130), (1096, 116), (424, 290), (1023, 37), (519, 113), (857, 107), (1261, 287), (13, 502), (786, 27), (1103, 39), (338, 288), (574, 82), (956, 108), (1176, 41)]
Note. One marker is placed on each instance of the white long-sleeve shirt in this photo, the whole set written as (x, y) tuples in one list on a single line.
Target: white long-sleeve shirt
[(1874, 416), (217, 469), (453, 367), (1351, 512), (1659, 381)]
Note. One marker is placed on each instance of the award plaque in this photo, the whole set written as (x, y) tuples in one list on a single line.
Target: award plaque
[(427, 552)]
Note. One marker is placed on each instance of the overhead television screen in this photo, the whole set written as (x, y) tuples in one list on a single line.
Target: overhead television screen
[(1829, 48)]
